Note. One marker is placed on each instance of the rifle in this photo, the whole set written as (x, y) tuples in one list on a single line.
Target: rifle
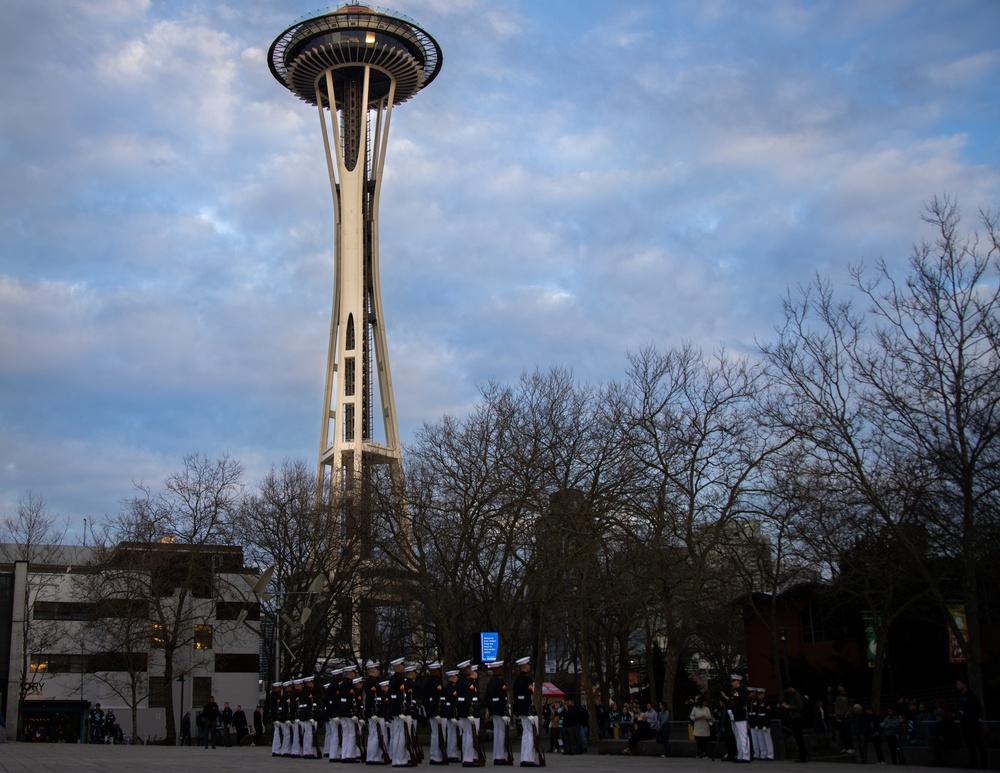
[(411, 748), (481, 758), (418, 750), (442, 741), (537, 743), (508, 749), (361, 730), (386, 759)]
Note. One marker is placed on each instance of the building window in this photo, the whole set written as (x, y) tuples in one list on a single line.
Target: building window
[(230, 610), (158, 692), (201, 690), (158, 636), (46, 663), (128, 662), (203, 637), (236, 663), (349, 342), (61, 610)]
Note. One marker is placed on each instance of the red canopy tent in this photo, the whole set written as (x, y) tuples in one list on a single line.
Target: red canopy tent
[(549, 690)]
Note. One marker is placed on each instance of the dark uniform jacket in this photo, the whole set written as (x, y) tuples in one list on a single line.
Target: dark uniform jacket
[(432, 696), (496, 696), (449, 700), (523, 706), (397, 695)]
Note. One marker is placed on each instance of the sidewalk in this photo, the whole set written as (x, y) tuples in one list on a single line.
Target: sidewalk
[(66, 758)]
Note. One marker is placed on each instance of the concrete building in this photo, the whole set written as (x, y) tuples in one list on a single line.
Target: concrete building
[(81, 626)]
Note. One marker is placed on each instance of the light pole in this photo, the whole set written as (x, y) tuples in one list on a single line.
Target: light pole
[(180, 719)]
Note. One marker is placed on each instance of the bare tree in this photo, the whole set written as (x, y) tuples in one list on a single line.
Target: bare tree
[(34, 534), (314, 575), (909, 389), (165, 549), (698, 428)]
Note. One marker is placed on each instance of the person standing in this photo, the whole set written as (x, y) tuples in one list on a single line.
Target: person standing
[(410, 715), (373, 753), (496, 702), (431, 700), (970, 716), (308, 712), (737, 702), (701, 720), (465, 689), (210, 713), (843, 712), (226, 719), (185, 730), (331, 715), (398, 752), (96, 719), (274, 703), (287, 714), (891, 732), (795, 704), (258, 726), (524, 709), (449, 716), (239, 723), (349, 715), (663, 720)]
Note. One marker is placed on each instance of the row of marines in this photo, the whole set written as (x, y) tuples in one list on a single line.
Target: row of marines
[(373, 720)]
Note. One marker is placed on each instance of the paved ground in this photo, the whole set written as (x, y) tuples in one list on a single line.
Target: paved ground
[(68, 758)]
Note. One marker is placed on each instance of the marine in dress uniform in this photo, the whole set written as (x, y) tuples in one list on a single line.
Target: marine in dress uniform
[(296, 750), (398, 751), (496, 702), (738, 709), (274, 716), (432, 710), (466, 688), (348, 695), (331, 705), (763, 744), (449, 715), (308, 717), (287, 716), (410, 714), (524, 709), (373, 753)]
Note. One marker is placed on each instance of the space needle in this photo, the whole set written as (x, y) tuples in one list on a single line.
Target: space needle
[(355, 64)]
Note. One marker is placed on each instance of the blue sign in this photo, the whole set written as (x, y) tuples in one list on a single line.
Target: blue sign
[(489, 646)]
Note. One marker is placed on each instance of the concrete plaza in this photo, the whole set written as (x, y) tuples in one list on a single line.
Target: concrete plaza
[(68, 758)]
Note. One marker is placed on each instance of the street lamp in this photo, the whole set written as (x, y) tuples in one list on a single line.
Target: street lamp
[(180, 720)]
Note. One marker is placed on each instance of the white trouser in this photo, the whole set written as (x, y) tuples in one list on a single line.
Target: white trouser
[(468, 746), (349, 749), (740, 730), (376, 725), (296, 750), (500, 731), (286, 738), (398, 751), (451, 725), (434, 753), (277, 737), (766, 749), (331, 745), (529, 729), (308, 733)]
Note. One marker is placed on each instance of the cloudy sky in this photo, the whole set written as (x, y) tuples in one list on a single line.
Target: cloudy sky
[(583, 178)]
